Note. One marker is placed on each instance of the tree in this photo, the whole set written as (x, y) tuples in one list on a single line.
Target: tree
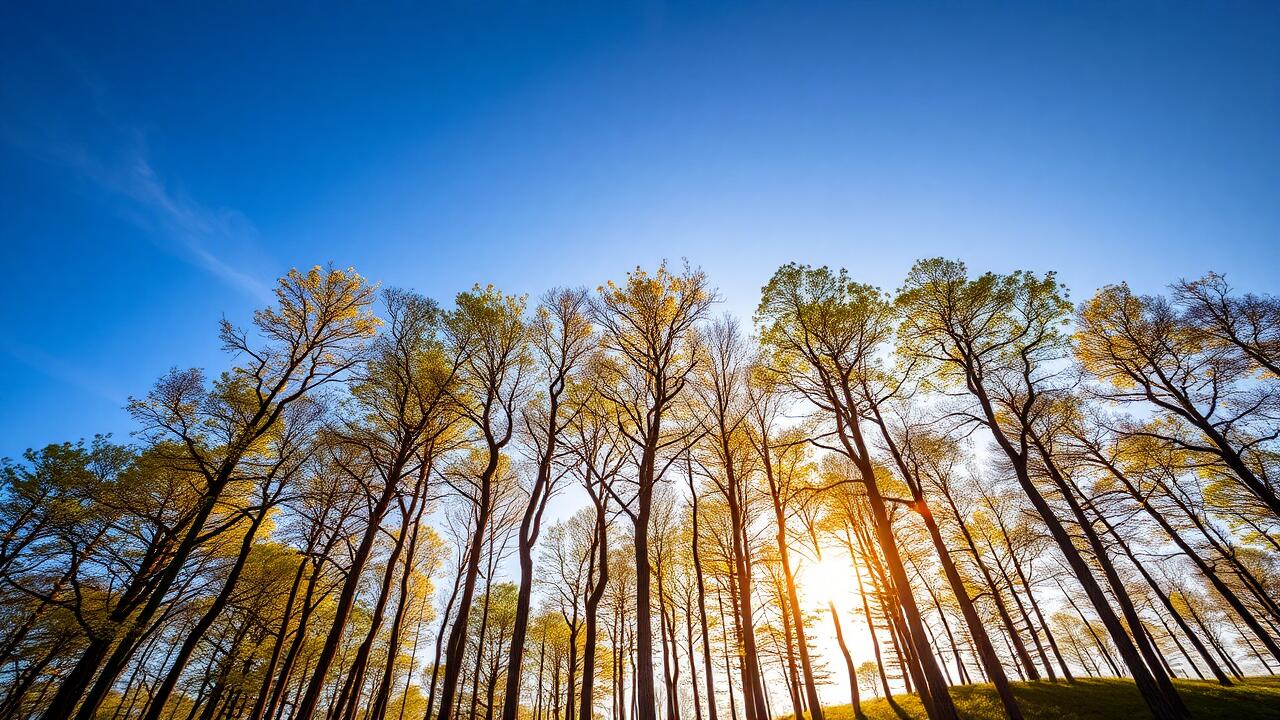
[(822, 332), (781, 458), (1142, 349), (402, 402), (999, 337), (488, 330), (723, 414), (561, 338), (647, 325), (312, 337)]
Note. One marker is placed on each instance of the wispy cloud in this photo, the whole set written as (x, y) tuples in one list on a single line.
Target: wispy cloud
[(187, 229), (89, 141), (193, 231)]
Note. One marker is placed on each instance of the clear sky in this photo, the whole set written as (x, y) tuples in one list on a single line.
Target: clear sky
[(161, 163)]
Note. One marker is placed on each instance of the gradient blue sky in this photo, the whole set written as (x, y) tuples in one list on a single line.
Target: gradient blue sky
[(160, 164)]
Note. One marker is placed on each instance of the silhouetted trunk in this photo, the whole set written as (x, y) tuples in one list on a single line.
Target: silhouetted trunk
[(95, 657), (1154, 659), (1017, 602), (1206, 570), (728, 663), (940, 705), (746, 617), (530, 526), (667, 634), (275, 704), (792, 601), (435, 661), (457, 646), (646, 696), (1163, 705), (161, 695), (591, 612), (702, 603), (346, 598), (277, 647), (1020, 650), (1218, 674), (383, 694), (977, 630), (866, 611), (693, 665), (788, 658)]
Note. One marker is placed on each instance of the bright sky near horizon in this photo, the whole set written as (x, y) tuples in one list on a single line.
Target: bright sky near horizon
[(161, 163)]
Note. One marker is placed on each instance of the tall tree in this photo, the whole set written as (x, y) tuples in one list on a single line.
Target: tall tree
[(723, 414), (823, 332), (781, 477), (401, 399), (311, 338), (561, 339), (648, 325), (998, 337), (488, 329)]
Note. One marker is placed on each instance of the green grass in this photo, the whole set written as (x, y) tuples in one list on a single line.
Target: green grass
[(1253, 699)]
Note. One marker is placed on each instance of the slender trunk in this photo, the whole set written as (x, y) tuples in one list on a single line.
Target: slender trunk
[(276, 702), (702, 604), (728, 664), (383, 695), (456, 647), (587, 706), (977, 630), (693, 662), (1102, 646), (1218, 674), (854, 697), (484, 633), (790, 672), (792, 599), (1163, 705), (1206, 570), (269, 671), (665, 634), (1022, 609), (435, 662), (530, 525), (73, 687), (571, 672), (1154, 659), (941, 706), (866, 611), (746, 619), (162, 693), (346, 598)]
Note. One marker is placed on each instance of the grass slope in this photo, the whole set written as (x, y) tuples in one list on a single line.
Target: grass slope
[(1088, 699)]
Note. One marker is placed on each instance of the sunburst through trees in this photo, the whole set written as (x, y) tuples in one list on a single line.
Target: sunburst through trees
[(617, 503)]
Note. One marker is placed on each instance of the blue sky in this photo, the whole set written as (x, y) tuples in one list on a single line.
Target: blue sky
[(160, 165)]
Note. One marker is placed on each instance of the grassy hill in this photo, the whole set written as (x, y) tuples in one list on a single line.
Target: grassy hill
[(1089, 699)]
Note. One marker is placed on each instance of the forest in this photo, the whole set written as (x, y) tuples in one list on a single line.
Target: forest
[(623, 503)]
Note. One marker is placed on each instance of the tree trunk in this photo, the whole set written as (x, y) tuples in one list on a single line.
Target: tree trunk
[(161, 695), (346, 598), (587, 705), (702, 604), (940, 706)]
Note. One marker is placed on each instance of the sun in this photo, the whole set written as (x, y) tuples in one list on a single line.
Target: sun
[(828, 581)]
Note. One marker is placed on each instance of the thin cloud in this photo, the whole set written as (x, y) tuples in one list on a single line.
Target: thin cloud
[(192, 228), (112, 157)]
